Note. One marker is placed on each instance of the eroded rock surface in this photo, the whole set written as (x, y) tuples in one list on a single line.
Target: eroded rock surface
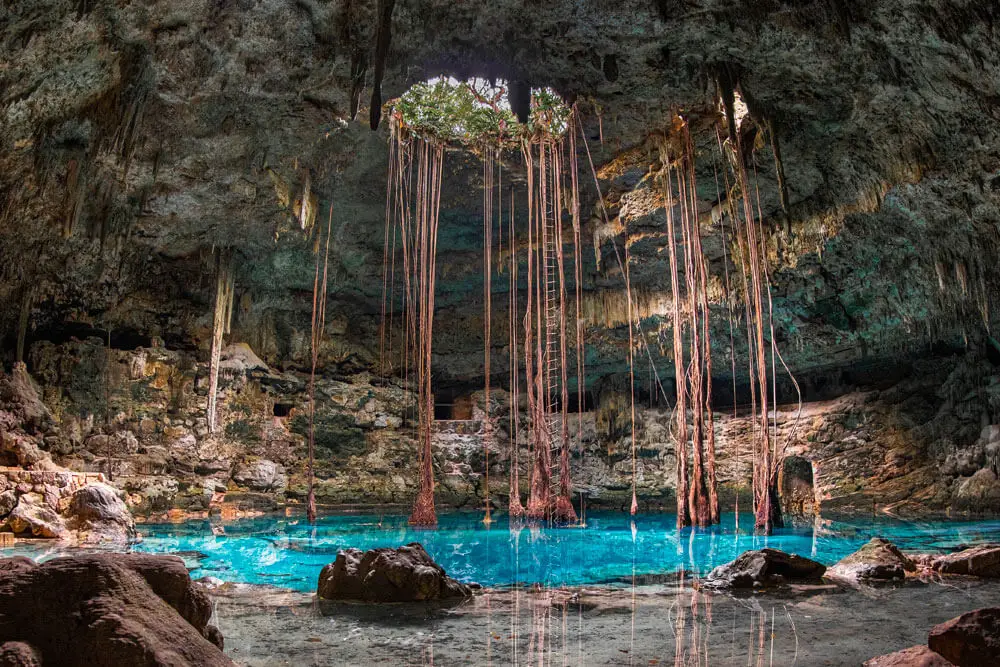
[(107, 609), (970, 640), (915, 656), (763, 568), (406, 574), (979, 561)]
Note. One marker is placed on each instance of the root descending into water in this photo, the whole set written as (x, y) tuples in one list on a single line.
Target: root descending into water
[(414, 211), (697, 497)]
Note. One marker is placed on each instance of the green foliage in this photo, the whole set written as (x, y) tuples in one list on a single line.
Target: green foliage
[(476, 113)]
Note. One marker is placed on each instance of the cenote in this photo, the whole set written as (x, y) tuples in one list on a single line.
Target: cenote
[(470, 333)]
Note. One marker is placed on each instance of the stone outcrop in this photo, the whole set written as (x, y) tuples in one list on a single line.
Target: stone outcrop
[(31, 518), (98, 513), (979, 561), (764, 568), (878, 560), (915, 656), (406, 574), (106, 609), (970, 640)]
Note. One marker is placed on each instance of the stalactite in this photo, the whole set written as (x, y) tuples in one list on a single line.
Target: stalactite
[(220, 327), (383, 37), (107, 408), (22, 322)]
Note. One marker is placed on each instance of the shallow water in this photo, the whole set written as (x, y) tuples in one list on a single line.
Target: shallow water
[(646, 625), (288, 552)]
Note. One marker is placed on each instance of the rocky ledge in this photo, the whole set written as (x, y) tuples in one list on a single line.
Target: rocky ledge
[(105, 609), (406, 574)]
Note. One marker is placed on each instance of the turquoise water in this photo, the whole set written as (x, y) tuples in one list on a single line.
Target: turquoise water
[(289, 552)]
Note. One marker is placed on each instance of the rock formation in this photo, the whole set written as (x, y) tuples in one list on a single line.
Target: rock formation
[(978, 561), (406, 574), (106, 609), (878, 560), (970, 640), (763, 568)]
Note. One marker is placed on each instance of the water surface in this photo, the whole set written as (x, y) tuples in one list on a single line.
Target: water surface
[(289, 552)]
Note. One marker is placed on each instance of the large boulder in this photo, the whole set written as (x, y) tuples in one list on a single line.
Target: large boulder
[(406, 574), (915, 656), (108, 609), (878, 560), (970, 640), (35, 519), (261, 475), (764, 567), (99, 514), (979, 561)]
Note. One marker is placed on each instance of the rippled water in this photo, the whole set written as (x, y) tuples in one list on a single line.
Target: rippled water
[(289, 552)]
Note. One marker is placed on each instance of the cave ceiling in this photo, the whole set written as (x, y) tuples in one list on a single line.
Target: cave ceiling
[(141, 138)]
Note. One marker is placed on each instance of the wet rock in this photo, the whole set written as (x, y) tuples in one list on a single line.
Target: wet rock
[(100, 515), (970, 640), (261, 475), (19, 654), (915, 656), (405, 574), (978, 561), (878, 560), (37, 520), (764, 567), (110, 609)]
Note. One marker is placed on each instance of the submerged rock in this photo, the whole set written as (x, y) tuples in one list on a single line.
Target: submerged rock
[(764, 567), (915, 656), (99, 514), (970, 640), (406, 574), (979, 561), (878, 560), (108, 609)]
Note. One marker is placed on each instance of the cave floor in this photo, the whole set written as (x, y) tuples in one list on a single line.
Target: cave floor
[(640, 625)]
